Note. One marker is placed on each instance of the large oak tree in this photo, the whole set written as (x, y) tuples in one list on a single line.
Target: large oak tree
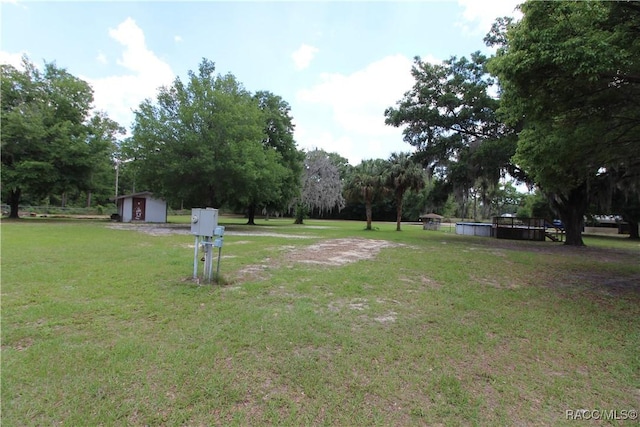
[(450, 117), (278, 136), (570, 73), (209, 141), (51, 141)]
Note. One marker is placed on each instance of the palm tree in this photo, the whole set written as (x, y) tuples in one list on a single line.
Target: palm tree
[(366, 183), (403, 175)]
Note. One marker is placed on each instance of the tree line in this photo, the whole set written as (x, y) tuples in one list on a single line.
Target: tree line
[(556, 108), (563, 115)]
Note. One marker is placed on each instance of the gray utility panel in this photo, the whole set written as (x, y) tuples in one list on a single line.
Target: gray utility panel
[(204, 221)]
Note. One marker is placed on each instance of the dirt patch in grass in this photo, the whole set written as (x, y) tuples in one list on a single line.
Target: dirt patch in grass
[(495, 282), (330, 253), (253, 272), (337, 252), (20, 345), (422, 280)]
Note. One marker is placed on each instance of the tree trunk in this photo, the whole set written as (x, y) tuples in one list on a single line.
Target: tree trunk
[(299, 214), (573, 229), (463, 208), (14, 202), (475, 206), (571, 210), (633, 230), (89, 198), (398, 212), (369, 214), (251, 214), (211, 196)]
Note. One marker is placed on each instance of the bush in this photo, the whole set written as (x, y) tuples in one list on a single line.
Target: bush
[(301, 213)]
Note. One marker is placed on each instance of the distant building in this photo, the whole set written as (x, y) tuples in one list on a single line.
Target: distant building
[(141, 207), (431, 221)]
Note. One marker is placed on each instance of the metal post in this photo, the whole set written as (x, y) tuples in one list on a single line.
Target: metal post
[(208, 259), (205, 256), (195, 259), (218, 267)]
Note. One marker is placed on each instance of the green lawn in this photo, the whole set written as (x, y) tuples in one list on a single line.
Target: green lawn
[(104, 326)]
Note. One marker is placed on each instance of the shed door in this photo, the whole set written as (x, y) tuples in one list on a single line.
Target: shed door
[(138, 206)]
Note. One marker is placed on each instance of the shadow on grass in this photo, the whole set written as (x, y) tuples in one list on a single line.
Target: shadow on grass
[(608, 266)]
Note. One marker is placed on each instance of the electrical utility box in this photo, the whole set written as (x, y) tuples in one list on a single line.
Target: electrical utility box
[(204, 221)]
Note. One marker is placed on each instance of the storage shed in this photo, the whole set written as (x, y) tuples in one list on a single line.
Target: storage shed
[(431, 221), (141, 207)]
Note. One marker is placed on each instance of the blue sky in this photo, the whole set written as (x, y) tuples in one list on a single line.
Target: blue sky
[(339, 64)]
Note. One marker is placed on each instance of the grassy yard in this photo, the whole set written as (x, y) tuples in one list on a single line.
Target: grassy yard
[(104, 326)]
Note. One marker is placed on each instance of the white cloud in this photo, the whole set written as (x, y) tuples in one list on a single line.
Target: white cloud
[(309, 138), (303, 56), (177, 39), (14, 59), (14, 3), (136, 56), (101, 58), (353, 148), (478, 16), (357, 102), (119, 95)]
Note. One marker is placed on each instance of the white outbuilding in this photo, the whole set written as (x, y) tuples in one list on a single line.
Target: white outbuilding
[(141, 207)]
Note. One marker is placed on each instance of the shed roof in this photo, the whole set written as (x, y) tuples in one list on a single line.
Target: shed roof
[(140, 194), (431, 216)]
